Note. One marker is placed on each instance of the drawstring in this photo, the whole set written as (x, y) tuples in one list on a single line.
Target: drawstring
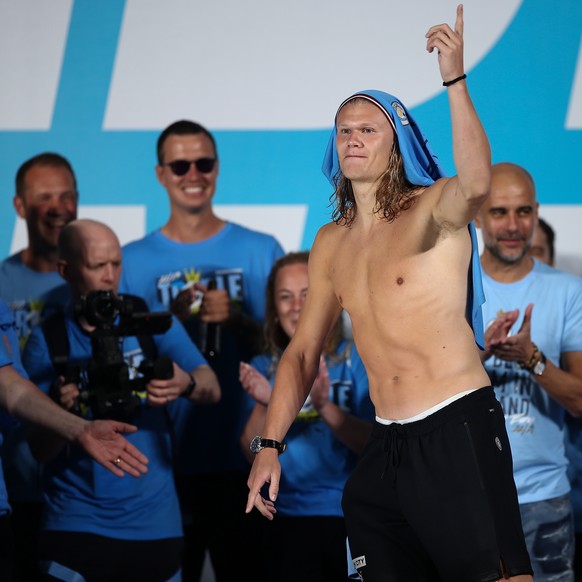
[(393, 440)]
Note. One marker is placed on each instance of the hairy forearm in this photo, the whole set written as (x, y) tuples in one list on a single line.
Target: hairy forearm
[(564, 387), (25, 401), (471, 150)]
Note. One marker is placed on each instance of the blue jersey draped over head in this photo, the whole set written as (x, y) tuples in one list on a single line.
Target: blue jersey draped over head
[(422, 168)]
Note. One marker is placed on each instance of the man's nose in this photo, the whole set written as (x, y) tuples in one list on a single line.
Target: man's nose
[(108, 273), (512, 221), (59, 206), (298, 303), (193, 171)]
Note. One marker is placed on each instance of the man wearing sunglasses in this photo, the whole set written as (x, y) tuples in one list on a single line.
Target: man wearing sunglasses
[(212, 274)]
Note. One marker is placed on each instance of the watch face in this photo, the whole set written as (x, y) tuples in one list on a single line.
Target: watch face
[(539, 368), (255, 445)]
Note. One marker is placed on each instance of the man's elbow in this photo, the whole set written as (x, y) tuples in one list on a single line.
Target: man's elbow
[(215, 394), (477, 192), (575, 410)]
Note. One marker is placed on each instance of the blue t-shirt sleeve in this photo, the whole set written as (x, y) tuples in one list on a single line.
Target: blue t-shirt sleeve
[(572, 340), (277, 250), (9, 346), (262, 364)]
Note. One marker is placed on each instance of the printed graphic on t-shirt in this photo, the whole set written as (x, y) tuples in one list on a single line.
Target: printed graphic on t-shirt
[(27, 315), (169, 285), (515, 387), (340, 393)]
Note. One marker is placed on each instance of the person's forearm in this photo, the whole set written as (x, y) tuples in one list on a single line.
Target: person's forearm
[(294, 378), (564, 387), (207, 389), (253, 427), (471, 151), (347, 428), (23, 400)]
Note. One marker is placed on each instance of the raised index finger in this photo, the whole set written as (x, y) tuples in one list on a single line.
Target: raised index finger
[(459, 24)]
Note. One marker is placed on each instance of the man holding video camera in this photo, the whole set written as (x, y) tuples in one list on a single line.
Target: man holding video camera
[(119, 365)]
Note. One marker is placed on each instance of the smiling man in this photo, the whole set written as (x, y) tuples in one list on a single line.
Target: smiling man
[(179, 265), (46, 199), (432, 497), (534, 358)]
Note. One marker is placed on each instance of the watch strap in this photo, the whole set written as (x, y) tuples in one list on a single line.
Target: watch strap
[(259, 443), (273, 444), (188, 392), (540, 366), (534, 359)]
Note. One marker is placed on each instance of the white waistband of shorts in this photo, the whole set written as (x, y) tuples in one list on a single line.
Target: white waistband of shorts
[(427, 412)]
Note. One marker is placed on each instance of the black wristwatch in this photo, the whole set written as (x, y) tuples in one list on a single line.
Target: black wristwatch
[(188, 392), (259, 443)]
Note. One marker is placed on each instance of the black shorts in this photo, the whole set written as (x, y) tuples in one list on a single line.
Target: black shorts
[(435, 499)]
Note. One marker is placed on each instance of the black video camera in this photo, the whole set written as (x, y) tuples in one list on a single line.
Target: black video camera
[(108, 387)]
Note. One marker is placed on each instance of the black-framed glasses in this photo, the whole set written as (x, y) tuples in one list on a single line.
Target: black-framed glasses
[(182, 167)]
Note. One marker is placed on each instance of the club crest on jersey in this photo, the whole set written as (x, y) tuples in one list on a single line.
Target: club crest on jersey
[(400, 112)]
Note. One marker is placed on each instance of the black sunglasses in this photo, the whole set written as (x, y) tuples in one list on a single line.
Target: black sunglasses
[(182, 167)]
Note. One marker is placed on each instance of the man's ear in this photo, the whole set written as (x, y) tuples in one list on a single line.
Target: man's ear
[(159, 174), (18, 203), (477, 221), (62, 268)]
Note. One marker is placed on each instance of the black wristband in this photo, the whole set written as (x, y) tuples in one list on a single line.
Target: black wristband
[(449, 83), (188, 392)]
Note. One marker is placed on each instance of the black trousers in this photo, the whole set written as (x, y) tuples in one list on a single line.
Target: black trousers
[(101, 559)]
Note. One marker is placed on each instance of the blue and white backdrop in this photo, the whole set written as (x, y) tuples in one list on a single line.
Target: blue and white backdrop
[(98, 80)]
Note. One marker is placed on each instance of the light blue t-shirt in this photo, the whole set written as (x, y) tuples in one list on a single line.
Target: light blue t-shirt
[(31, 295), (315, 464), (535, 421), (9, 356), (83, 496), (239, 259)]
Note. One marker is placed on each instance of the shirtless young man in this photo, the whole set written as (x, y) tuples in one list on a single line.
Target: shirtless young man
[(433, 496)]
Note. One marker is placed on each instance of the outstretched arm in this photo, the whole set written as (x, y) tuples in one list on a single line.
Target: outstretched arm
[(462, 195), (102, 440)]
